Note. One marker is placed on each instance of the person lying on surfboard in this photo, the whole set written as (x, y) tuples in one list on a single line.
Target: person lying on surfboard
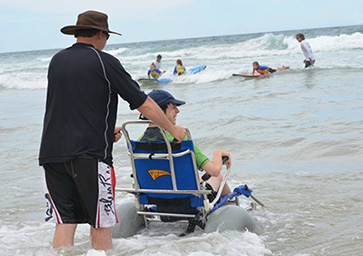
[(154, 72), (264, 70)]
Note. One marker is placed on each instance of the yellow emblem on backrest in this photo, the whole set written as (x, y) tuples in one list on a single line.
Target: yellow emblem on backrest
[(157, 173)]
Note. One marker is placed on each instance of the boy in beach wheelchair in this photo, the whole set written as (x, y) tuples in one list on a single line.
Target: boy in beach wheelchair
[(167, 185)]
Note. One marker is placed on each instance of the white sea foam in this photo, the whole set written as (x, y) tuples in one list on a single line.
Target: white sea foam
[(45, 59), (32, 238), (269, 49), (203, 77), (227, 243), (337, 43), (117, 52), (222, 58), (23, 80), (267, 44)]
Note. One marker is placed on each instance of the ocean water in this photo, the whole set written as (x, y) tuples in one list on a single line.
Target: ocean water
[(295, 138)]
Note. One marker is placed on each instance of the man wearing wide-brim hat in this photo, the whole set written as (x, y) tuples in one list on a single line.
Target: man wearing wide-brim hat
[(79, 129)]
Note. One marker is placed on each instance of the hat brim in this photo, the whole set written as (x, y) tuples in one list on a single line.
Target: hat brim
[(70, 30), (177, 102)]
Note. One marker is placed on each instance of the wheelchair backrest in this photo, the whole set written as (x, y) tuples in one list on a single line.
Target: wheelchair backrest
[(166, 168), (157, 173)]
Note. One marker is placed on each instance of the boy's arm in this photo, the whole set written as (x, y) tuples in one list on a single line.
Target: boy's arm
[(214, 167)]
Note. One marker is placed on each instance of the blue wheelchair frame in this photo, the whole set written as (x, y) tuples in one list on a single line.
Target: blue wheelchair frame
[(165, 171)]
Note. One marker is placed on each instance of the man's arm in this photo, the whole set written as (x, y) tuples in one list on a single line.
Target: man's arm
[(154, 113)]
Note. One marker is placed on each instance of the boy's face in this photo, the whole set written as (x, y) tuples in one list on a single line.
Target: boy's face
[(255, 66), (171, 112), (299, 39)]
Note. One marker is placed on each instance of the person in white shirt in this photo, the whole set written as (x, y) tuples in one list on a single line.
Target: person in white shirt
[(158, 62), (305, 47)]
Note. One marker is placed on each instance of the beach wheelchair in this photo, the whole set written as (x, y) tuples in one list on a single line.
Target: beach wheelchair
[(167, 188)]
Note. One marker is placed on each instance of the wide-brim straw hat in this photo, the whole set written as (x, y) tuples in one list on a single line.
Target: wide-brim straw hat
[(89, 20)]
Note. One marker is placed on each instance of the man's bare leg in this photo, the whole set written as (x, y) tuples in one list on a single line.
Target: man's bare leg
[(101, 238), (64, 235)]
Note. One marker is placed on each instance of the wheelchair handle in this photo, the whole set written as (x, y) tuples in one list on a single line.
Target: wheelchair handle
[(174, 142), (224, 159), (206, 176)]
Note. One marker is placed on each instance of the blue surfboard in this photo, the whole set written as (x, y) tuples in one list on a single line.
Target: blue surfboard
[(195, 70), (164, 80), (151, 81)]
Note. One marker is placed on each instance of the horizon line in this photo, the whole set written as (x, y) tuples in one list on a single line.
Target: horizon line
[(198, 37)]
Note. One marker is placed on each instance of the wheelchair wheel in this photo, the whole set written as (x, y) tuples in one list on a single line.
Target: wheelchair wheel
[(129, 222), (229, 217)]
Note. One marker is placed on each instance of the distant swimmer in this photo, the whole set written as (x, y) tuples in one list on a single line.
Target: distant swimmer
[(179, 68), (154, 72), (263, 70), (158, 62), (305, 47)]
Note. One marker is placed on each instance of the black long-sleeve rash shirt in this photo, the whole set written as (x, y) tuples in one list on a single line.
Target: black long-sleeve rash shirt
[(83, 87)]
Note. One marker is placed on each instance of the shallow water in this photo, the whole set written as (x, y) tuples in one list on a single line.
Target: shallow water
[(295, 138)]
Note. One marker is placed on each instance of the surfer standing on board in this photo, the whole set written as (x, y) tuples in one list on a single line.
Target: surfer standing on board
[(305, 47), (264, 70)]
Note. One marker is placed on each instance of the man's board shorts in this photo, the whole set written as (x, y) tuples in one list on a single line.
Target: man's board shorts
[(308, 63), (80, 191)]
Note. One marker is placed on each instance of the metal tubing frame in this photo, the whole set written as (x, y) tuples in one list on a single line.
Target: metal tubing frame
[(158, 191), (221, 186), (167, 214), (169, 156)]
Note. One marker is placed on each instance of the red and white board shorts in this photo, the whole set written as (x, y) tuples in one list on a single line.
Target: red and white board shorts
[(80, 191)]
